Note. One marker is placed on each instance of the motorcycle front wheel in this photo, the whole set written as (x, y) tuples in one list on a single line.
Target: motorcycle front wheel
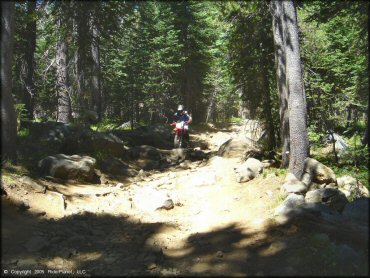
[(177, 141)]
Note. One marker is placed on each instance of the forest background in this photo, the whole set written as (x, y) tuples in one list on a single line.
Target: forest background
[(135, 61)]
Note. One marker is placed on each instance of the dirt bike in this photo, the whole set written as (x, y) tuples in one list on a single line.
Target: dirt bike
[(180, 130)]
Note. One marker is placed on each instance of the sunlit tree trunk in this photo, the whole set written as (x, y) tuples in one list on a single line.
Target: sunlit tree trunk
[(299, 145), (8, 116), (95, 78), (82, 42), (280, 64), (64, 101)]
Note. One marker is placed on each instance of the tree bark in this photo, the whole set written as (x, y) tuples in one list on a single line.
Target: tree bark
[(29, 60), (64, 101), (81, 31), (8, 116), (280, 64), (299, 145), (95, 104)]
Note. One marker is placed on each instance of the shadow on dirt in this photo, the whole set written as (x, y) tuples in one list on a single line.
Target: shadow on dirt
[(107, 245)]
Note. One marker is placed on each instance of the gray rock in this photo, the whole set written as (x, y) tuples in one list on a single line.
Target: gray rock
[(290, 203), (117, 167), (233, 148), (331, 197), (69, 167), (248, 170), (268, 163), (319, 172), (358, 210), (351, 187), (295, 187), (168, 204), (340, 145)]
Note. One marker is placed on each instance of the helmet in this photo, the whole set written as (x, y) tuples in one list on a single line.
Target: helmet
[(180, 108)]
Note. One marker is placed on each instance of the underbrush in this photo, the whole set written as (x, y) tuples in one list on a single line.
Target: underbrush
[(354, 163)]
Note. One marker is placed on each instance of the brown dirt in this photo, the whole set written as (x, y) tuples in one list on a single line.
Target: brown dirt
[(217, 227)]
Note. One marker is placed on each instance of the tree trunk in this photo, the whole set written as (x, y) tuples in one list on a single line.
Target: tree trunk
[(64, 101), (267, 107), (212, 103), (280, 64), (28, 67), (299, 145), (8, 116), (95, 104), (81, 30)]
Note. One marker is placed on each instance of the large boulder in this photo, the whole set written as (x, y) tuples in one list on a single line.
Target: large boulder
[(233, 148), (87, 141), (358, 210), (248, 170), (69, 167), (331, 197), (115, 166), (159, 136), (318, 172), (51, 132), (145, 152), (351, 187)]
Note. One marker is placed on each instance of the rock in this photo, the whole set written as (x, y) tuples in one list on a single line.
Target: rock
[(85, 140), (329, 196), (177, 155), (319, 172), (117, 167), (293, 185), (168, 204), (219, 254), (358, 210), (145, 152), (233, 148), (23, 206), (51, 132), (69, 167), (248, 170), (340, 145), (148, 164), (268, 163), (31, 185), (291, 202), (197, 155), (351, 187), (184, 165)]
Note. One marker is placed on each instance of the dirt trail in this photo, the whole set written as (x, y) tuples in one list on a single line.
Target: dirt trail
[(217, 226)]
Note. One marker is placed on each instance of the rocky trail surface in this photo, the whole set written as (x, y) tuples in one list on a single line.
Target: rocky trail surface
[(189, 219)]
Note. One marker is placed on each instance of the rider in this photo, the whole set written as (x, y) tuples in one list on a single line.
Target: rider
[(182, 115)]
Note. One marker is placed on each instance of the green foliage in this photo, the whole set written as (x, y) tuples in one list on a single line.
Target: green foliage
[(21, 112), (24, 132), (335, 61)]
